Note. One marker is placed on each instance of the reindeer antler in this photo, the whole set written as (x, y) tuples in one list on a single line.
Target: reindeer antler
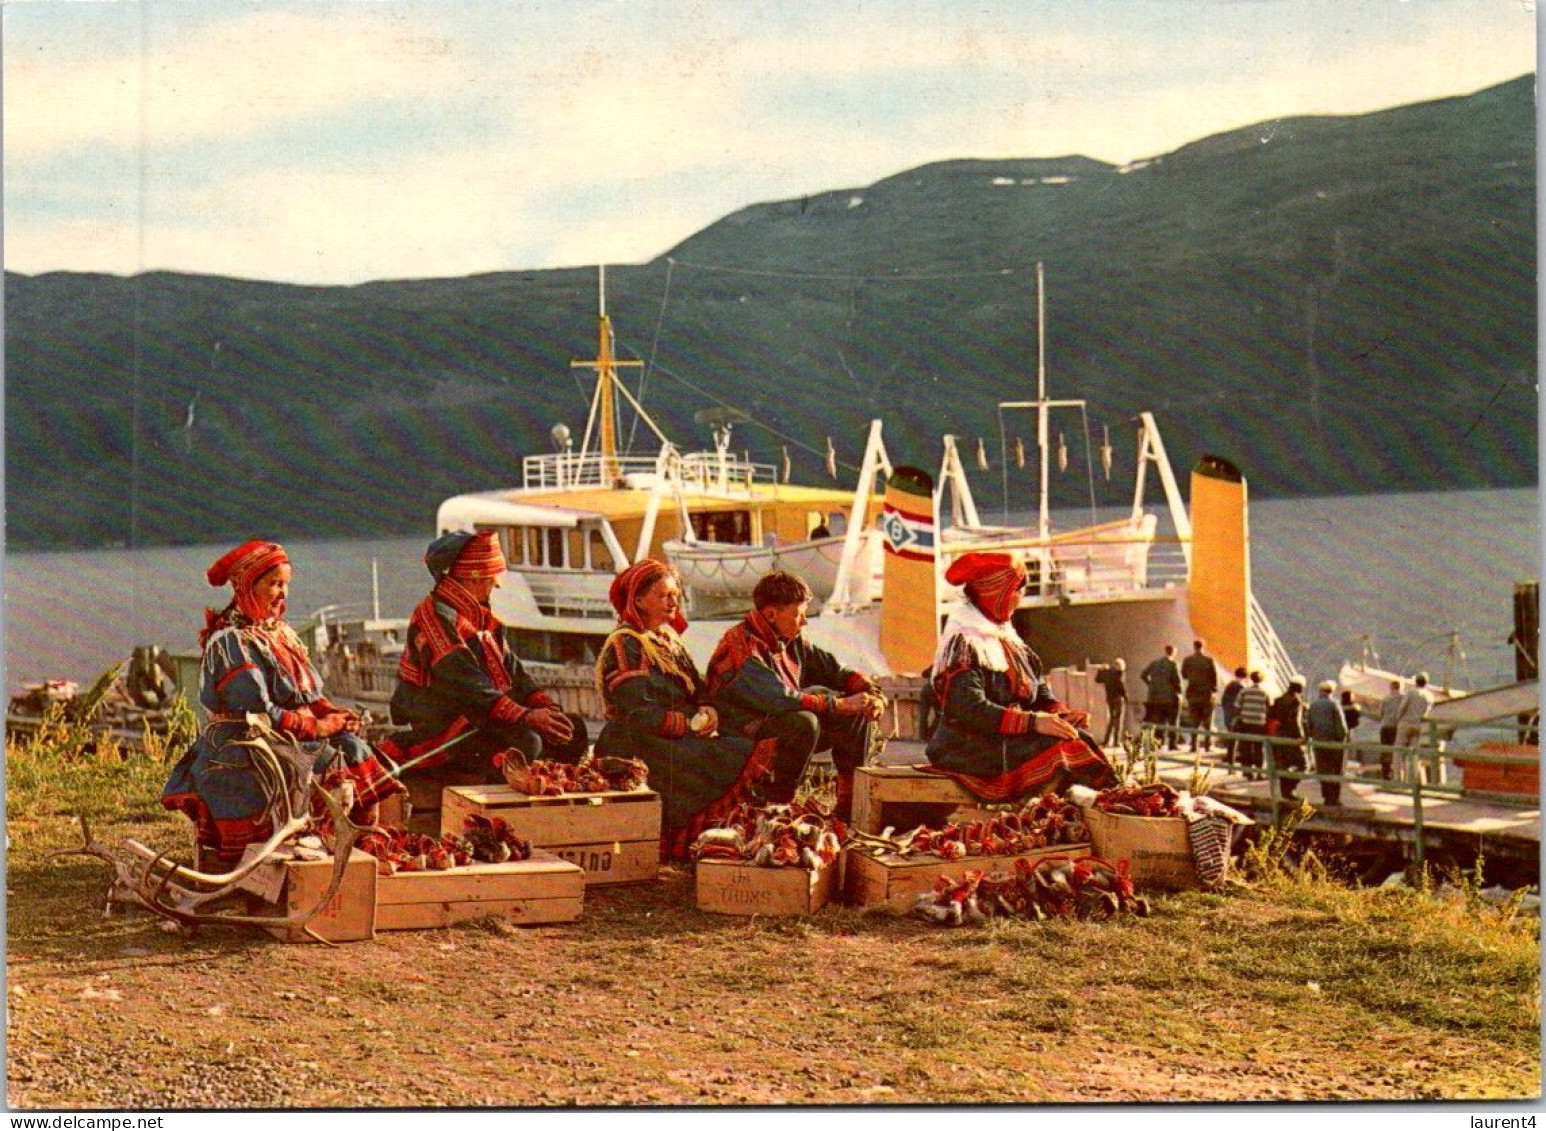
[(151, 881)]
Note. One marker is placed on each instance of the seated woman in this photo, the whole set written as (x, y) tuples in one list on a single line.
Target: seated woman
[(657, 710), (1001, 734), (462, 691), (254, 662)]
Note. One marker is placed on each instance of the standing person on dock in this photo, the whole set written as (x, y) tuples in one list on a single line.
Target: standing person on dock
[(658, 710), (1202, 684), (1232, 691), (1325, 722), (1162, 704), (254, 663), (1390, 725), (1251, 708), (1288, 715), (768, 680), (459, 674), (1001, 732), (1352, 714), (1114, 680), (1416, 702)]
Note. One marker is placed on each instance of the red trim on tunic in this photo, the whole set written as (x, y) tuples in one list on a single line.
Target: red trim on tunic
[(758, 768), (1072, 760), (232, 674), (809, 701), (506, 710), (1015, 721), (429, 640), (227, 839), (400, 754), (371, 784), (296, 723), (673, 725)]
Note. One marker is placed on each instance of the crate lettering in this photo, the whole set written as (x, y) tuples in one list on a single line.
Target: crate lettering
[(594, 861)]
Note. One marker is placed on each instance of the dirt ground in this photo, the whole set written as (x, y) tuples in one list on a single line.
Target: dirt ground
[(646, 1000)]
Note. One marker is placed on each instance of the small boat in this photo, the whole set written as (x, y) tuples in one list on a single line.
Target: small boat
[(720, 574), (1371, 684)]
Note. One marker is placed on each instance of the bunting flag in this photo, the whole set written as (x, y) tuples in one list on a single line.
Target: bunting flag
[(1062, 453), (1020, 453), (831, 459), (1105, 450), (786, 463), (982, 455)]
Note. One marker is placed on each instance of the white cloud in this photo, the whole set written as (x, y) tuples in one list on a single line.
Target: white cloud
[(441, 139), (221, 81)]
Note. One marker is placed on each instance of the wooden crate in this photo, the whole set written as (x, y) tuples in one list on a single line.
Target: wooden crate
[(738, 887), (543, 889), (1158, 849), (1503, 777), (897, 881), (348, 917), (877, 786), (614, 836)]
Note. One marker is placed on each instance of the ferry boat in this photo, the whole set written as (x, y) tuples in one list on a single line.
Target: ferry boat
[(1106, 589)]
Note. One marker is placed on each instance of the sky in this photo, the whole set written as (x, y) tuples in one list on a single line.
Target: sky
[(338, 142)]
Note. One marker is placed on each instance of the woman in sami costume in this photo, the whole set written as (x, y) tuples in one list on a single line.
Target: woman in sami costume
[(1001, 733), (254, 662), (657, 710), (462, 692)]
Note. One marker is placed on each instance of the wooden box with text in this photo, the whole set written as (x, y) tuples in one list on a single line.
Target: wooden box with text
[(349, 916), (898, 881), (543, 889), (737, 887), (613, 836)]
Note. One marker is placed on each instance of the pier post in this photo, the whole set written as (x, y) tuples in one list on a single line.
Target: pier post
[(1526, 640)]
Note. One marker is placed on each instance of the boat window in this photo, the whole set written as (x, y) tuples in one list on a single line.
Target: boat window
[(597, 556), (555, 558), (723, 526)]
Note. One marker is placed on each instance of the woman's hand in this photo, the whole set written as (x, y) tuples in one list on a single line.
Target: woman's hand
[(868, 703), (1050, 725), (329, 725), (704, 722), (550, 722), (1076, 718)]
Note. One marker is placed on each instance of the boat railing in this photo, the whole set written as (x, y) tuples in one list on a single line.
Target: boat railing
[(1268, 651), (698, 472), (560, 470), (570, 593), (1100, 566), (718, 472)]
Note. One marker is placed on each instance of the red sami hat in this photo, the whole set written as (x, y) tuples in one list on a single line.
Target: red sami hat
[(978, 566), (250, 560)]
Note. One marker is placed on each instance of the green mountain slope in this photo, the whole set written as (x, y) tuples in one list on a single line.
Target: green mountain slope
[(1337, 304)]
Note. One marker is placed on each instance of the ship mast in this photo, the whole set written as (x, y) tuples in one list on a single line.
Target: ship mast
[(604, 404), (1043, 406)]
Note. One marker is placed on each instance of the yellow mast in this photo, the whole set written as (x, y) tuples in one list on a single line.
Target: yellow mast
[(605, 366)]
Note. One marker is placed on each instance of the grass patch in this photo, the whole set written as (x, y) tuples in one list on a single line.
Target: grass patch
[(1209, 998)]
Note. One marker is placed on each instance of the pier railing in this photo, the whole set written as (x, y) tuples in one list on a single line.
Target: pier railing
[(1419, 772)]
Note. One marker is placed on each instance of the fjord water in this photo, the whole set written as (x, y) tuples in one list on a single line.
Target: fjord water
[(1407, 568)]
